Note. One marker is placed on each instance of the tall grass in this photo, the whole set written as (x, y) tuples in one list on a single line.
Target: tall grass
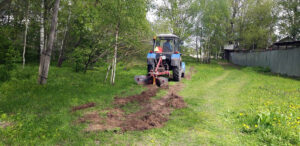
[(41, 114)]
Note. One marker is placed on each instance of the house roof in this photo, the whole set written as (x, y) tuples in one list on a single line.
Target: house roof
[(287, 41), (297, 43)]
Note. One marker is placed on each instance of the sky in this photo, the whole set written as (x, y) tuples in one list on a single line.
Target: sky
[(151, 14)]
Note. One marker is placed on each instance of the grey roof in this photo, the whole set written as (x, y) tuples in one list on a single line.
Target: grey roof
[(167, 35)]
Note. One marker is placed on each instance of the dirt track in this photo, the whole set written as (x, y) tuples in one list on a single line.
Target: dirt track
[(153, 113)]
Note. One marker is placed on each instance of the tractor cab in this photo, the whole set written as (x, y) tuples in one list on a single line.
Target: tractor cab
[(166, 44), (163, 59)]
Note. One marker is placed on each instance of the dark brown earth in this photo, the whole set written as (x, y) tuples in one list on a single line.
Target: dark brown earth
[(84, 106), (153, 114)]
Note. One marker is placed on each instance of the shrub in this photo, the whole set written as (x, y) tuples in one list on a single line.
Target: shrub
[(8, 56), (79, 57), (4, 74)]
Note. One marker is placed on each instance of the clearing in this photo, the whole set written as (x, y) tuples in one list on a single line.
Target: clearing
[(217, 104)]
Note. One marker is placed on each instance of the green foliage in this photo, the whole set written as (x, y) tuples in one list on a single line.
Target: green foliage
[(8, 56), (79, 58), (246, 24), (98, 23), (175, 15), (289, 23), (257, 30), (89, 25), (261, 69), (214, 23), (4, 73)]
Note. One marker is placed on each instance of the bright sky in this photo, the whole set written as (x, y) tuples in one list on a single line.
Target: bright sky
[(151, 14)]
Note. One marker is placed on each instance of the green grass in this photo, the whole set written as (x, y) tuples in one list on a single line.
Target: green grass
[(161, 93), (131, 107), (226, 106)]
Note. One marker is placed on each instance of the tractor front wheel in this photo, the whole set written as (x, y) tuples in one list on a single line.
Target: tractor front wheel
[(176, 73)]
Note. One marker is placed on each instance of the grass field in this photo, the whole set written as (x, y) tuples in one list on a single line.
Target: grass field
[(226, 106)]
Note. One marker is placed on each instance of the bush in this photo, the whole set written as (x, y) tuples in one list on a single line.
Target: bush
[(8, 56), (262, 69), (4, 74), (79, 58)]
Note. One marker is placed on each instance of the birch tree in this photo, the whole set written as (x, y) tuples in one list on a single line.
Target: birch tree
[(61, 50), (127, 18), (46, 55), (25, 32), (179, 14), (42, 29)]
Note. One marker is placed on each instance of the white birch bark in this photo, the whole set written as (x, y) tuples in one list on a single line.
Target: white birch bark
[(25, 34), (42, 29), (60, 58), (107, 72), (202, 53), (114, 61), (46, 54), (197, 48)]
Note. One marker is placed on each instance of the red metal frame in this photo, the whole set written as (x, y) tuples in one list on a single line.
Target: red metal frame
[(157, 73)]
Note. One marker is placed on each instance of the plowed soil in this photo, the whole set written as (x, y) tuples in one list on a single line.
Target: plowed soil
[(153, 113)]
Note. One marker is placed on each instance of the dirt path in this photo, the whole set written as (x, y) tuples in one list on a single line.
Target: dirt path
[(216, 80), (216, 96), (152, 114)]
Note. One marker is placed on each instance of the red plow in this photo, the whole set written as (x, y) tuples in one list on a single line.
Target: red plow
[(156, 76)]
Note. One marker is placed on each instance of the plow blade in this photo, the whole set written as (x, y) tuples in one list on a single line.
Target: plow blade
[(162, 81), (145, 80), (142, 79)]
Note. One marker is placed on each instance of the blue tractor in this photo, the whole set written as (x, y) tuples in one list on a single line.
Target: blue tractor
[(163, 58)]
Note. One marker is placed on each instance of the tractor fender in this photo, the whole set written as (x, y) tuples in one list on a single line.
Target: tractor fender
[(151, 59), (175, 60), (182, 67)]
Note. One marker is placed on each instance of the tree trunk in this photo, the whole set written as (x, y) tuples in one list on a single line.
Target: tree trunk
[(197, 49), (61, 51), (46, 55), (216, 55), (203, 53), (219, 53), (54, 48), (114, 61), (107, 72), (42, 29), (25, 34), (45, 42), (208, 60)]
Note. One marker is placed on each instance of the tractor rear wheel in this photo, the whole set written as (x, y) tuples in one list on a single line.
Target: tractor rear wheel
[(176, 73)]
